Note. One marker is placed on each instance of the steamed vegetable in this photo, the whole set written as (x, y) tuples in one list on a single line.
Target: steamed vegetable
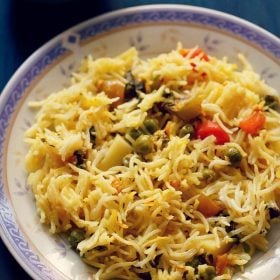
[(113, 89), (208, 207), (187, 130), (209, 273), (189, 107), (211, 247), (234, 156), (115, 154), (222, 262), (271, 101), (207, 128), (151, 125), (75, 237), (208, 175), (134, 133), (143, 145), (254, 123)]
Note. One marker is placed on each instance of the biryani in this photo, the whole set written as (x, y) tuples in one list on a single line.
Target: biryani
[(159, 168)]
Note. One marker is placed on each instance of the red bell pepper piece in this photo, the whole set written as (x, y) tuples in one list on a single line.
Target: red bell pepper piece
[(207, 128)]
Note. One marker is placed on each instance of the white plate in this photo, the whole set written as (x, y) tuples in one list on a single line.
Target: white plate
[(151, 29)]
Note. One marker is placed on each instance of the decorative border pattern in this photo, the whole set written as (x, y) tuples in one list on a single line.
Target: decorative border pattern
[(7, 219), (9, 228), (184, 16)]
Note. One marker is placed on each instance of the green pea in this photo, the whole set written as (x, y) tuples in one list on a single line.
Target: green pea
[(186, 129), (75, 237), (209, 175), (134, 133), (271, 101), (143, 144), (234, 156), (151, 125), (208, 274)]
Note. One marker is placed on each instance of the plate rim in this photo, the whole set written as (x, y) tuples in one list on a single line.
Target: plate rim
[(129, 10)]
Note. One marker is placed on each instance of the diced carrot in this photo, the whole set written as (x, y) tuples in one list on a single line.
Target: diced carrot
[(208, 207), (221, 263), (175, 184), (184, 52), (254, 123)]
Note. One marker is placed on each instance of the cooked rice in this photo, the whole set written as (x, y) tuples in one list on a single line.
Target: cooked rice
[(140, 213)]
